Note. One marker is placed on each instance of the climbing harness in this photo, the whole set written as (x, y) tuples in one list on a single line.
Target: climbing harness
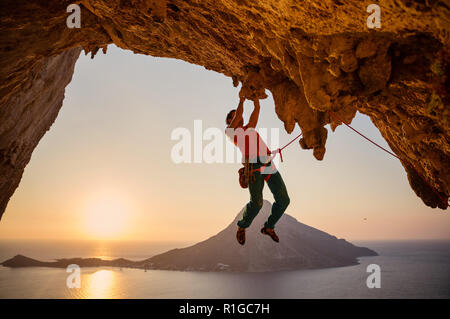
[(246, 173)]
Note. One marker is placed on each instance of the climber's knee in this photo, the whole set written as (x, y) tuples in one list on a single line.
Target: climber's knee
[(283, 201), (257, 202), (287, 201)]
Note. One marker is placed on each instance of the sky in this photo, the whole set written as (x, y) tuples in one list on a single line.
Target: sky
[(104, 171)]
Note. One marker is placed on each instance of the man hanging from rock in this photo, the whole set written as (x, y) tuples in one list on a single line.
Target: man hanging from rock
[(256, 158)]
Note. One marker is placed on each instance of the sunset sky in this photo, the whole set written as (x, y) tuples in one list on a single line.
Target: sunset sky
[(104, 170)]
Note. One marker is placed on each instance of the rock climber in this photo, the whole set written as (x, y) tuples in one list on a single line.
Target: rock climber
[(256, 158)]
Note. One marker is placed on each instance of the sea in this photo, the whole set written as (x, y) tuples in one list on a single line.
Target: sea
[(408, 269)]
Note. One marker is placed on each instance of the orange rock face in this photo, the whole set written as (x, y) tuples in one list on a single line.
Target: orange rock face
[(313, 56)]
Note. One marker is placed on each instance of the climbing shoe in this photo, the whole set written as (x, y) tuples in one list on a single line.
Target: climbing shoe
[(240, 235), (271, 233)]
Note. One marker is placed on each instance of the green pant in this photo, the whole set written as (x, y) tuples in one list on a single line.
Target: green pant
[(278, 189)]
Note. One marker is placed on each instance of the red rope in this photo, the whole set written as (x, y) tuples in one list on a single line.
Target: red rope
[(444, 201), (277, 151), (280, 149), (379, 146)]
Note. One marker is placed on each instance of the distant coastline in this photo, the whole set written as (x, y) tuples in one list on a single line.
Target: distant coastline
[(23, 261), (300, 247), (405, 265)]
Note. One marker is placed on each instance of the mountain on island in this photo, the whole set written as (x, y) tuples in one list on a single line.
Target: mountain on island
[(300, 247)]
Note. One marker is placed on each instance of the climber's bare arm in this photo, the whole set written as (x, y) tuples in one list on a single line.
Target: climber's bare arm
[(238, 114), (253, 121)]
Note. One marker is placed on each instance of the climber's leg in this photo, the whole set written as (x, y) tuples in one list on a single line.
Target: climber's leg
[(279, 191), (256, 201)]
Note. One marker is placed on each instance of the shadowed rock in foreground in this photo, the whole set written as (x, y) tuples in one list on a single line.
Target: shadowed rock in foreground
[(300, 247)]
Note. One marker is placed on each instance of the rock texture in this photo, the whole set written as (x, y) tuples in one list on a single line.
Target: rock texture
[(313, 56), (27, 111), (300, 247)]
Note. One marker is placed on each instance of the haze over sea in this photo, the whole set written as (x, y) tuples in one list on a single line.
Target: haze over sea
[(409, 269)]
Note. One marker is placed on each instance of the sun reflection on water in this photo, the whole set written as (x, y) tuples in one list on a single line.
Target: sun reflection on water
[(100, 284)]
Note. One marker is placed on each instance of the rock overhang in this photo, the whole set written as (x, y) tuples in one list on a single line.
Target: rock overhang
[(314, 57)]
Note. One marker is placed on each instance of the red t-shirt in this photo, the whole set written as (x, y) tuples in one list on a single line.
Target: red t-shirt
[(248, 140)]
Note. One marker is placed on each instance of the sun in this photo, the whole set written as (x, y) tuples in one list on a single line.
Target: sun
[(106, 217)]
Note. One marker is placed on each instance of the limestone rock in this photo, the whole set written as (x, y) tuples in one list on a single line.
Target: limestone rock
[(28, 114), (314, 56), (253, 86)]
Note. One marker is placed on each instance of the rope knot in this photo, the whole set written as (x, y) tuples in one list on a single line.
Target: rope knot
[(281, 155), (278, 151)]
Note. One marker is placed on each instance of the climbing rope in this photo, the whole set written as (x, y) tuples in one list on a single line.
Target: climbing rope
[(273, 154), (336, 117), (278, 151)]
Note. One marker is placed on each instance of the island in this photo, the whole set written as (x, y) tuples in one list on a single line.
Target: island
[(300, 247)]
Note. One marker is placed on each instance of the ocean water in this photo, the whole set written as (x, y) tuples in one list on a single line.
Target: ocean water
[(413, 269)]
